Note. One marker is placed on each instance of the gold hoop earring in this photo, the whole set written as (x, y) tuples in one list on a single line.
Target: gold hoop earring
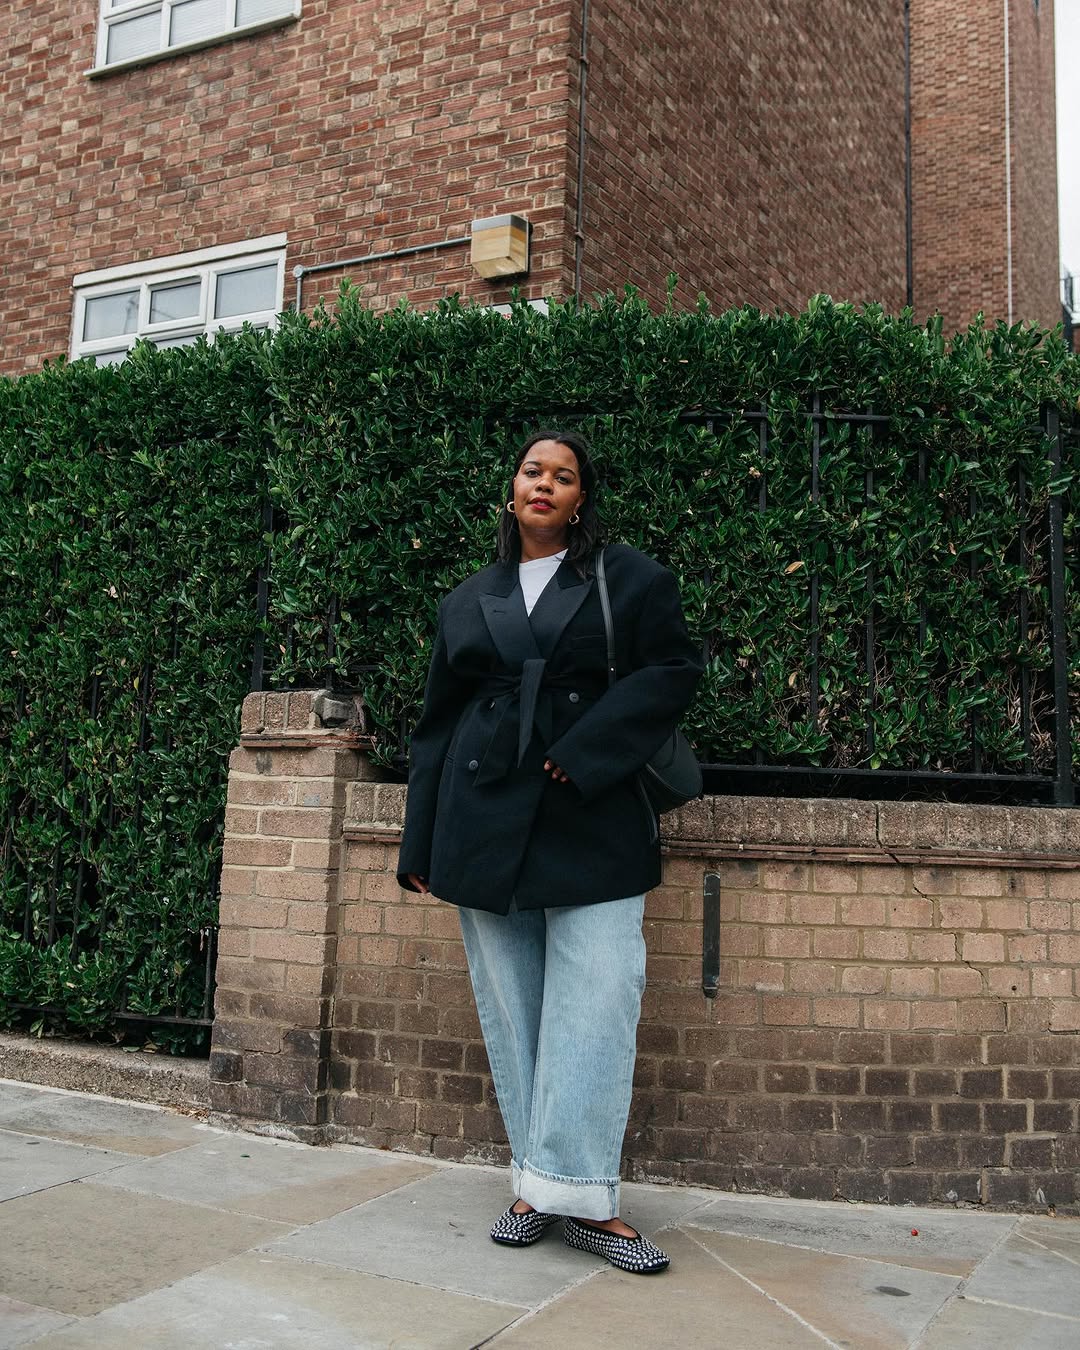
[(575, 519), (511, 509)]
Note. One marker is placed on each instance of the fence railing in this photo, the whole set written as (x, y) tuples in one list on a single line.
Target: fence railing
[(1039, 672)]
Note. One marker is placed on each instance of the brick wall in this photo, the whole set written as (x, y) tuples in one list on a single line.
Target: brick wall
[(755, 153), (360, 128), (958, 165), (755, 150), (898, 1015)]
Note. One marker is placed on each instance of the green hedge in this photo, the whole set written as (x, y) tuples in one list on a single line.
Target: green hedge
[(133, 526), (130, 532)]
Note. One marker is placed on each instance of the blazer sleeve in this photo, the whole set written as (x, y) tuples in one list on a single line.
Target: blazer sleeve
[(620, 732), (445, 697)]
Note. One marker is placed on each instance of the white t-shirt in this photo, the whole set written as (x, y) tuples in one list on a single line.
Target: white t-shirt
[(535, 575)]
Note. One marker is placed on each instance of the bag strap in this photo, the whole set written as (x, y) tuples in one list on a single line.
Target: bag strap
[(609, 626)]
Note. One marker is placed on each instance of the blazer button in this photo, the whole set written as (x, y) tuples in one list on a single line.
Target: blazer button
[(491, 705), (575, 698), (474, 764)]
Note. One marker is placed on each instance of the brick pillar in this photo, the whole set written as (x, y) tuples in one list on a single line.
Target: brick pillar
[(269, 1058)]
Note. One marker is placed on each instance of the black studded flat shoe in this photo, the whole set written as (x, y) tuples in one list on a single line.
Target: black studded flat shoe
[(636, 1254), (521, 1230)]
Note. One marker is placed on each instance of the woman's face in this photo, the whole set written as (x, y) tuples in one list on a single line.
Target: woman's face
[(547, 488)]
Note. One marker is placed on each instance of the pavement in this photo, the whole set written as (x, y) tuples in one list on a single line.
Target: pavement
[(131, 1226)]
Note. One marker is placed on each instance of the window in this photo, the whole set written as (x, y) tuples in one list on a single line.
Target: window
[(173, 301), (132, 31)]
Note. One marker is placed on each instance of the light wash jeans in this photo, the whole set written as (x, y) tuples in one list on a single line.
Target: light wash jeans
[(559, 994)]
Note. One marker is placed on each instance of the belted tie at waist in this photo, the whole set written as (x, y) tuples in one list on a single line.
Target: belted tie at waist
[(522, 693)]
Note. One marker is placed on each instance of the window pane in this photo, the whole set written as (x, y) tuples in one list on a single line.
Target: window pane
[(111, 358), (177, 300), (188, 341), (111, 315), (195, 19), (134, 37), (254, 11), (246, 292)]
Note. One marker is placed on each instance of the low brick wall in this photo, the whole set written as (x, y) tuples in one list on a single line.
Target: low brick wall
[(898, 1017)]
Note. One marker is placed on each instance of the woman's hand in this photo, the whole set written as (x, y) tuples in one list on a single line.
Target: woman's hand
[(420, 884), (555, 772)]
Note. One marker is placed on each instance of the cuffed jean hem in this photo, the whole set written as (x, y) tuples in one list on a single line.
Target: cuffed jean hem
[(579, 1197)]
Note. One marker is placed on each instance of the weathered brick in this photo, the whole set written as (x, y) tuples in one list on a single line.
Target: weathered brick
[(863, 979), (1050, 914), (836, 943), (886, 1014), (840, 878), (837, 1012), (982, 948), (885, 945), (962, 914), (980, 881), (863, 911), (913, 982)]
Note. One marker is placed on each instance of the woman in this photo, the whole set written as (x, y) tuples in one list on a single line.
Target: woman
[(525, 811)]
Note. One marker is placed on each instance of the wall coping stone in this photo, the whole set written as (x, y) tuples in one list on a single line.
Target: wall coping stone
[(836, 829)]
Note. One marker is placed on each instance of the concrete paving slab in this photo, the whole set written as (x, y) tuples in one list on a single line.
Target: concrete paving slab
[(269, 1301), (21, 1323), (81, 1248), (854, 1302), (652, 1208), (1029, 1277), (1058, 1235), (435, 1233), (28, 1165), (271, 1178), (694, 1303), (968, 1324), (951, 1242), (97, 1122)]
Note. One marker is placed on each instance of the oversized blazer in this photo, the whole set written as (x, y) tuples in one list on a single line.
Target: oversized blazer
[(506, 691)]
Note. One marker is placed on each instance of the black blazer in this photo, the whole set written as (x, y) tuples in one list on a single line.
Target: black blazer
[(507, 690)]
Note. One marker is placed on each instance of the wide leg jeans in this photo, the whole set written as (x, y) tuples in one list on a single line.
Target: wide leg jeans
[(559, 994)]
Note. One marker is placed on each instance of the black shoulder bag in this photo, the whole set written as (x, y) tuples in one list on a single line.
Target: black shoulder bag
[(672, 776)]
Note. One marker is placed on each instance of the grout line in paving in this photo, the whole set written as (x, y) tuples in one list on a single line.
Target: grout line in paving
[(1052, 1250), (830, 1251), (292, 1226), (958, 1292), (1017, 1307), (530, 1313), (766, 1295), (195, 1204), (703, 1203), (370, 1274)]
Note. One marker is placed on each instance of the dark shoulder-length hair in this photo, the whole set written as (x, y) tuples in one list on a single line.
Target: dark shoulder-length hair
[(588, 534)]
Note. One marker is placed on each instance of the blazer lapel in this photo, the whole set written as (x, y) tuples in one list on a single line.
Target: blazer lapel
[(556, 606), (504, 613)]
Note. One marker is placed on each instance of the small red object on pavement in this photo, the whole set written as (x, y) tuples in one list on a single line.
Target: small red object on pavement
[(914, 1232)]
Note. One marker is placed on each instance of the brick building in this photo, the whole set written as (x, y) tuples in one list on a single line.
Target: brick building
[(984, 174), (171, 162)]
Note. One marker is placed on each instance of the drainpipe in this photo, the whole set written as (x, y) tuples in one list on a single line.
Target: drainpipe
[(579, 214), (1008, 171), (908, 251)]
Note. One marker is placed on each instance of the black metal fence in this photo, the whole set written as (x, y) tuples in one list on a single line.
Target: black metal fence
[(1042, 685)]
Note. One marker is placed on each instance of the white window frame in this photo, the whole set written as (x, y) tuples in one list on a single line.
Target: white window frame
[(203, 265), (110, 12)]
